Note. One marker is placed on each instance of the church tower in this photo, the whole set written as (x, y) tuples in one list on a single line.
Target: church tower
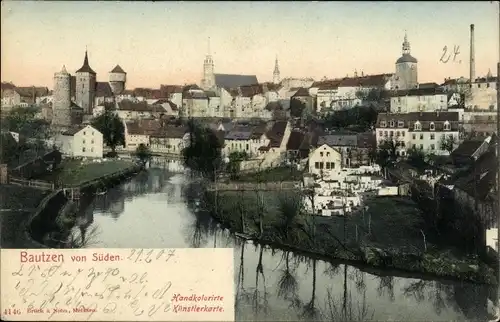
[(208, 81), (61, 106), (85, 86), (406, 76), (276, 73)]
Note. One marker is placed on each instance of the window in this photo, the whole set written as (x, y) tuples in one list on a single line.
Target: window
[(327, 165), (401, 124), (92, 132), (432, 136), (488, 85), (399, 109), (421, 146), (432, 126), (84, 133), (403, 133), (421, 136), (327, 154), (380, 133), (83, 142), (332, 165), (247, 147), (414, 146), (316, 165), (92, 141), (321, 165), (398, 133), (414, 136), (391, 123), (391, 134), (83, 149), (447, 126), (417, 126), (321, 154), (433, 147), (91, 149), (385, 133)]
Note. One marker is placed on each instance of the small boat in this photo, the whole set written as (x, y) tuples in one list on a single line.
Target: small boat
[(100, 193)]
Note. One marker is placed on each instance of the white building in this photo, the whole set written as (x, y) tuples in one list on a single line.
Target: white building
[(483, 95), (348, 92), (169, 140), (422, 131), (323, 160), (138, 132), (81, 142), (419, 100)]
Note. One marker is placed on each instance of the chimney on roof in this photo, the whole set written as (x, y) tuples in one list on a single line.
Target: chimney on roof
[(362, 74), (472, 62)]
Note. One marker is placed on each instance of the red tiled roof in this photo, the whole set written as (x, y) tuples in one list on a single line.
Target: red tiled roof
[(6, 85), (295, 140), (276, 133), (126, 105), (143, 127), (103, 89)]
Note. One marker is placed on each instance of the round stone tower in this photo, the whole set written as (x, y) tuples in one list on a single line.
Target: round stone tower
[(117, 80), (61, 106)]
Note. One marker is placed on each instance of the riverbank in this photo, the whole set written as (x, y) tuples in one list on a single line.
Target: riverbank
[(17, 205), (384, 238), (75, 172)]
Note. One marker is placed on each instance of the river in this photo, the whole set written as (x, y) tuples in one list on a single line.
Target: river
[(150, 211)]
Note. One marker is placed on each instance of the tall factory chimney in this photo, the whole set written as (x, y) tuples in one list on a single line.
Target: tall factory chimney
[(472, 56)]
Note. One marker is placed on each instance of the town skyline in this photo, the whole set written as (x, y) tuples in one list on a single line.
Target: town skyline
[(310, 39)]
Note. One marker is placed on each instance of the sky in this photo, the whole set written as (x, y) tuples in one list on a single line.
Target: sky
[(166, 42)]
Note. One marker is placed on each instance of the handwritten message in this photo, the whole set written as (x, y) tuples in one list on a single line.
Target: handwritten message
[(117, 285)]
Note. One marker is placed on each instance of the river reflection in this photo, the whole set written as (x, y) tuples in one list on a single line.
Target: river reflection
[(151, 211)]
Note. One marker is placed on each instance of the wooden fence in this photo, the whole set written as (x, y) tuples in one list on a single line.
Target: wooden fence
[(250, 186), (38, 184)]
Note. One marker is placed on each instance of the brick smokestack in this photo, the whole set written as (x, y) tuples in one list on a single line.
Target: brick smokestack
[(472, 62)]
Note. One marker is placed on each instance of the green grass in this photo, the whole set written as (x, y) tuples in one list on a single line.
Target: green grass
[(272, 175), (75, 172)]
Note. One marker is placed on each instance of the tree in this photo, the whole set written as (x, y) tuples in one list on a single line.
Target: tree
[(448, 143), (235, 159), (203, 151), (112, 129), (143, 153), (386, 153), (416, 157)]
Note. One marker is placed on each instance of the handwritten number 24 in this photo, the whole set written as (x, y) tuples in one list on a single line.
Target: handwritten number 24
[(445, 57)]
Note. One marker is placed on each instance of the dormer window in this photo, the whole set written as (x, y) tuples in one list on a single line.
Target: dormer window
[(401, 124), (432, 126), (447, 126), (382, 124), (417, 126), (391, 124)]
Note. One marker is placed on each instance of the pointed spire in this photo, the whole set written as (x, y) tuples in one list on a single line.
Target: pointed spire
[(406, 45), (208, 51), (86, 67), (63, 70)]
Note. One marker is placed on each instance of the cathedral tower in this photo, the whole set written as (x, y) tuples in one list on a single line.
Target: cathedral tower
[(276, 73), (61, 106), (208, 81), (85, 86), (406, 76), (117, 80)]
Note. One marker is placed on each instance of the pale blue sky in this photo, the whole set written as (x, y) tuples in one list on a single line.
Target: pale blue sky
[(165, 42)]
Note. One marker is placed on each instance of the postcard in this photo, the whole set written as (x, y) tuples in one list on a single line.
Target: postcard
[(250, 161)]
